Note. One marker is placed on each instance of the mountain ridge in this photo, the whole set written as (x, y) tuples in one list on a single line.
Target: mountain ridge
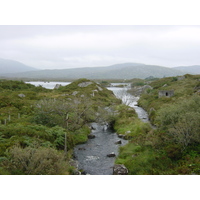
[(117, 71), (193, 69), (13, 66), (128, 70)]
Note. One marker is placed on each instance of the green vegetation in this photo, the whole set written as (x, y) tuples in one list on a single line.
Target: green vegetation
[(184, 88), (38, 125), (174, 146), (128, 124), (137, 82), (35, 123)]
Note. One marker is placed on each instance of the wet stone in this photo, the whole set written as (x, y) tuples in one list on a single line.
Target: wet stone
[(118, 142), (120, 170), (91, 136), (111, 155)]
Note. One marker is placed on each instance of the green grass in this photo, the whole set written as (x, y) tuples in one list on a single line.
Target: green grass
[(165, 150), (127, 123), (141, 160)]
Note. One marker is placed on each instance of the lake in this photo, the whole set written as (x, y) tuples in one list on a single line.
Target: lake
[(48, 85)]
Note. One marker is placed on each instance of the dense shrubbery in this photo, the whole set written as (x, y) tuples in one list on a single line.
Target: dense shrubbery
[(34, 127), (35, 161), (15, 85), (137, 82), (37, 124), (174, 147), (181, 121)]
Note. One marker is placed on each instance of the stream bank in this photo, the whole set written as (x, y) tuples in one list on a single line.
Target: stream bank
[(93, 156)]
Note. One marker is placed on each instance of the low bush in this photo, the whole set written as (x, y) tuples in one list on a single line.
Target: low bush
[(35, 161)]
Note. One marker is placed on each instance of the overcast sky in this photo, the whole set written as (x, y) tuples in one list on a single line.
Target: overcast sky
[(57, 47)]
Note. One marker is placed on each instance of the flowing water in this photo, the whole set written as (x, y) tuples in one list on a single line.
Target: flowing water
[(92, 156), (131, 101)]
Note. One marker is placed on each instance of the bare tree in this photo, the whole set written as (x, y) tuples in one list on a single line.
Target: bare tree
[(126, 97)]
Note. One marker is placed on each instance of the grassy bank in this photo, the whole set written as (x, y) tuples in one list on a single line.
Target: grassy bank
[(174, 147)]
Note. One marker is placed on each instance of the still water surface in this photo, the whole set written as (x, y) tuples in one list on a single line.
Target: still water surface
[(48, 85)]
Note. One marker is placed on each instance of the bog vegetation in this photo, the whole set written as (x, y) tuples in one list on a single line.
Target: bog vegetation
[(39, 127), (174, 146)]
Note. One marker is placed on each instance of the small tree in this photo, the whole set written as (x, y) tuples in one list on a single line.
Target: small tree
[(70, 114), (126, 97)]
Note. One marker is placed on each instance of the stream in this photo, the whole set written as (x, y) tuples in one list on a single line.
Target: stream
[(92, 155)]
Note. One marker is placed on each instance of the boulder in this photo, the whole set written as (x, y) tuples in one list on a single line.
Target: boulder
[(81, 149), (111, 155), (83, 173), (120, 135), (120, 170), (92, 128), (118, 142), (91, 136), (76, 172), (21, 95)]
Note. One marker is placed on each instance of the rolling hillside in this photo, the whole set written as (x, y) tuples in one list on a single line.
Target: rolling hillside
[(118, 71), (194, 69)]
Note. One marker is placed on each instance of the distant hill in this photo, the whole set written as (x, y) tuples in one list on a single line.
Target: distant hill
[(12, 66), (118, 71), (194, 69)]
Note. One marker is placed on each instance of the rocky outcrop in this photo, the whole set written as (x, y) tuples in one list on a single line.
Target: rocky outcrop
[(120, 170), (84, 84), (57, 86)]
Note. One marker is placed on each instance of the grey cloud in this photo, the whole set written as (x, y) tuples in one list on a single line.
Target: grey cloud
[(81, 46)]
